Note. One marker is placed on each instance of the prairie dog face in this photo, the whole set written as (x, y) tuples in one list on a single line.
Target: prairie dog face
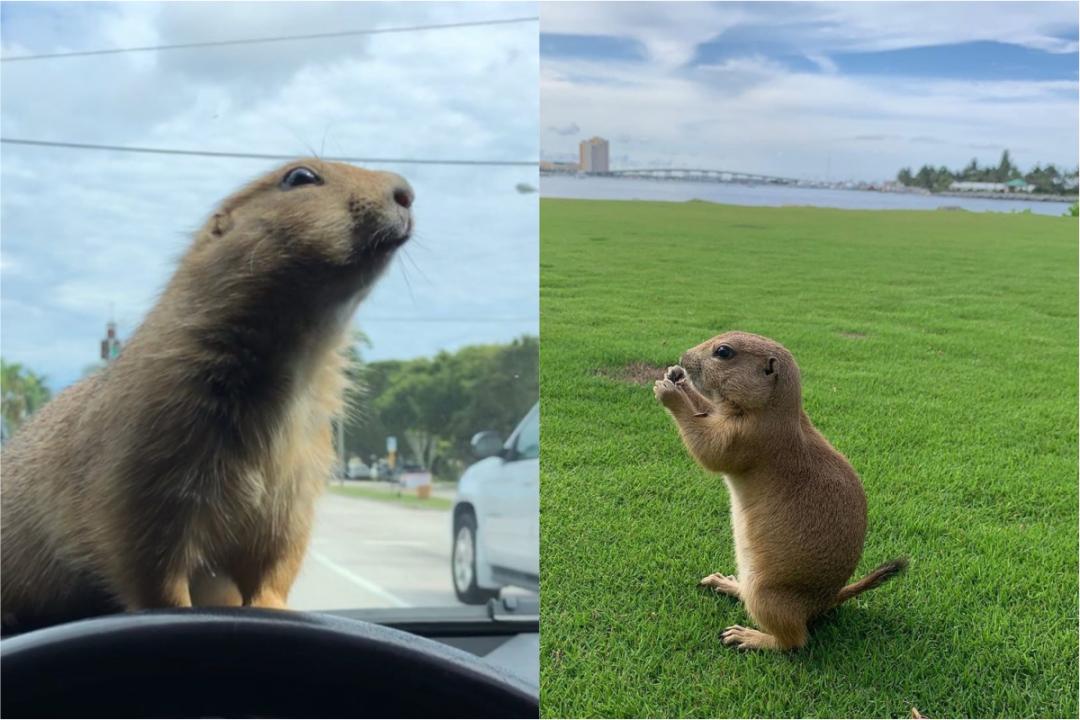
[(749, 371), (316, 215)]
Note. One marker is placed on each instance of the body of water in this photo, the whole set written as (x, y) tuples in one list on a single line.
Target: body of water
[(606, 188)]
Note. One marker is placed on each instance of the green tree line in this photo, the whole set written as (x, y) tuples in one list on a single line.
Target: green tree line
[(1047, 180), (433, 406)]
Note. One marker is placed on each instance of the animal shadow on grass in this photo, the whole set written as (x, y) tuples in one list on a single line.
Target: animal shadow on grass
[(840, 639)]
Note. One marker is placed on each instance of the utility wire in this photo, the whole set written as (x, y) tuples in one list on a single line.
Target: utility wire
[(363, 319), (263, 156), (284, 38)]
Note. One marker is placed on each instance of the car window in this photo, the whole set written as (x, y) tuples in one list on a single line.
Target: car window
[(527, 442), (445, 344)]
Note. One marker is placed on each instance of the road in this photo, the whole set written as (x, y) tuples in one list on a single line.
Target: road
[(366, 553), (371, 554)]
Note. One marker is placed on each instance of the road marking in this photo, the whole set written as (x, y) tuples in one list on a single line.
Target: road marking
[(358, 580)]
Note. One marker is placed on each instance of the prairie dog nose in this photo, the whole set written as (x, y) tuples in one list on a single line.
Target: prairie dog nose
[(403, 196), (400, 190)]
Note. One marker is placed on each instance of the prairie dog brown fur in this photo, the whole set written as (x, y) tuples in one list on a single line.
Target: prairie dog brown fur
[(798, 510), (197, 455)]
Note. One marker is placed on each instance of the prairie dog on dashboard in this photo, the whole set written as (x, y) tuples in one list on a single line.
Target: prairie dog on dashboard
[(199, 452)]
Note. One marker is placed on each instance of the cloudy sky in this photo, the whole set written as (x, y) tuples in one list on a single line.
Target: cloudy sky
[(86, 230), (844, 90)]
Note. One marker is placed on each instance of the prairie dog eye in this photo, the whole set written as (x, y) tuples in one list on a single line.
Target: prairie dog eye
[(300, 176), (724, 352)]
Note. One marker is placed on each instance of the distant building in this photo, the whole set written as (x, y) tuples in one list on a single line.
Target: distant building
[(594, 155), (1019, 186)]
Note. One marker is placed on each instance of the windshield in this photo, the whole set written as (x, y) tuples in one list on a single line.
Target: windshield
[(112, 161)]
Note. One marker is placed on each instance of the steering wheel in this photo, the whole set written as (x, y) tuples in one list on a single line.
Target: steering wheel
[(243, 662)]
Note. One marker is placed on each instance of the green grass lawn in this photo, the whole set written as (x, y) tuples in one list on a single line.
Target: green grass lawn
[(938, 353), (406, 498)]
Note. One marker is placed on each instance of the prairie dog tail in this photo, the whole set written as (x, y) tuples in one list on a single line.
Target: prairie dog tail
[(877, 576)]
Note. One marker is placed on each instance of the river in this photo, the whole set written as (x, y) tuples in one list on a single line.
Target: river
[(606, 188)]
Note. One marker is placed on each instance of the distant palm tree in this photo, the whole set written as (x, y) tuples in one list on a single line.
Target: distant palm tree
[(22, 392)]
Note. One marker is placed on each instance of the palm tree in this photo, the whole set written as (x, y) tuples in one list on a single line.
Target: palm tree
[(22, 392)]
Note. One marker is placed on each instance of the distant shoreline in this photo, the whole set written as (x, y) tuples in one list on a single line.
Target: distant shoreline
[(772, 195), (1028, 197), (1021, 197)]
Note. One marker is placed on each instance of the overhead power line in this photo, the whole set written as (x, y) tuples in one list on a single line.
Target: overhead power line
[(456, 321), (264, 156), (282, 38)]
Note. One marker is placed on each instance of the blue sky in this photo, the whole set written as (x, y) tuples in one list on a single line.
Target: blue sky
[(83, 231), (853, 89)]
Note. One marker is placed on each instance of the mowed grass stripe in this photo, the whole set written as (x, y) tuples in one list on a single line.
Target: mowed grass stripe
[(938, 353)]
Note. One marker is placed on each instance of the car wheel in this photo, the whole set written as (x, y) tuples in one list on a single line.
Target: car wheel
[(463, 563)]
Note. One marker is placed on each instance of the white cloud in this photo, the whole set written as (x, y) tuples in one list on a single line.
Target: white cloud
[(753, 114), (888, 26), (824, 62), (668, 30), (672, 29)]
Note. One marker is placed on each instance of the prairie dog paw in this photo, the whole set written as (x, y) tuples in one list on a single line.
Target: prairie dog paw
[(664, 387), (723, 584), (676, 374), (742, 638), (668, 393)]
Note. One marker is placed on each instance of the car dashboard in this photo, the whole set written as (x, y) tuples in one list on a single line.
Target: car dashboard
[(468, 661), (505, 632)]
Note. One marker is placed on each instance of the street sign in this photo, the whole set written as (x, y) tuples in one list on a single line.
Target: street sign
[(391, 444)]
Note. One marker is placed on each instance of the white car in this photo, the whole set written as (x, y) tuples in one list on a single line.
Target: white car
[(496, 515)]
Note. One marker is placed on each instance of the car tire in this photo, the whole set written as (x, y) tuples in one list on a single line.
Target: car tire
[(463, 563)]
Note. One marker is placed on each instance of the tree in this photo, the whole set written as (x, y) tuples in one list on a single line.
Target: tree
[(22, 393), (1005, 170), (943, 178), (424, 446), (1048, 179), (435, 405), (355, 369), (925, 177)]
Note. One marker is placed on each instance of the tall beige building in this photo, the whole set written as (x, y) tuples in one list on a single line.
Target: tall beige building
[(593, 155)]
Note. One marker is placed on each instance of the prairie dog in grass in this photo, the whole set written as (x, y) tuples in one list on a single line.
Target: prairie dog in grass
[(798, 510), (196, 456)]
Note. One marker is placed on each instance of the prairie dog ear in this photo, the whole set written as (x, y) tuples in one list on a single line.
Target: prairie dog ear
[(220, 224), (771, 365)]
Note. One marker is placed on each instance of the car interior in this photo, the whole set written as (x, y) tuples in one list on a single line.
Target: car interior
[(467, 661)]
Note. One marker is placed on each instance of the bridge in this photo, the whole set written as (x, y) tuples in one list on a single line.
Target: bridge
[(687, 175), (705, 175)]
